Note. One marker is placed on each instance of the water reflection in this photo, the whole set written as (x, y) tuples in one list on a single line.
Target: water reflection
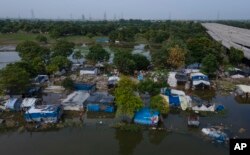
[(128, 141), (156, 137)]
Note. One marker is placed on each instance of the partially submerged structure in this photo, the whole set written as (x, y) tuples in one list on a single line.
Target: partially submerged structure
[(243, 91), (28, 103), (75, 100), (203, 107), (176, 98), (215, 134), (13, 104), (193, 121), (44, 113), (147, 116), (199, 80), (100, 102)]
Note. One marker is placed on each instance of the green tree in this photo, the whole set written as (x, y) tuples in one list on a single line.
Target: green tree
[(57, 63), (141, 62), (14, 79), (209, 64), (63, 48), (68, 83), (235, 56), (41, 38), (150, 86), (97, 53), (124, 62), (159, 103), (126, 100)]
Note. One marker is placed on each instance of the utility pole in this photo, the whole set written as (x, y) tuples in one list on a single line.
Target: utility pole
[(105, 16), (32, 14)]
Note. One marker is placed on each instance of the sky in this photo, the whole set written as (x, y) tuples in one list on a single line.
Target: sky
[(127, 9)]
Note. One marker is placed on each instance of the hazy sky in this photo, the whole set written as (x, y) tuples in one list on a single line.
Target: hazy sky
[(139, 9)]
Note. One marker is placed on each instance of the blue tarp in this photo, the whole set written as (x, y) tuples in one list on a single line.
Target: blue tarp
[(84, 86), (220, 108), (98, 108), (44, 113), (146, 116), (102, 40), (174, 100)]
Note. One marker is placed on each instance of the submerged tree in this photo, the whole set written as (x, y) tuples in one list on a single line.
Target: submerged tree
[(126, 100), (14, 79), (159, 103), (235, 56)]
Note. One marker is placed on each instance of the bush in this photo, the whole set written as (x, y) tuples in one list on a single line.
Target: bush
[(68, 83), (159, 103)]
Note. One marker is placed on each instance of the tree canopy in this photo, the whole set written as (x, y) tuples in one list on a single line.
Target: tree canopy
[(126, 100), (97, 53), (62, 48), (159, 103), (235, 56), (14, 79)]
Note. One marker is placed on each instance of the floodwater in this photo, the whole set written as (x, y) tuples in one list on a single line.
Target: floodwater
[(94, 138), (8, 57)]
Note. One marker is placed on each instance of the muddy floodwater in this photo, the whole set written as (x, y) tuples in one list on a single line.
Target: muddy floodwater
[(95, 138)]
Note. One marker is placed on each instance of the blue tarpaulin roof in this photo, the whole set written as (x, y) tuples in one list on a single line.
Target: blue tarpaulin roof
[(146, 116), (84, 86), (174, 100)]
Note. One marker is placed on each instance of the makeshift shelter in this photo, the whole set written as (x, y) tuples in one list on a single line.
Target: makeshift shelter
[(28, 102), (13, 104), (100, 102), (75, 100), (89, 71), (243, 90), (44, 113), (199, 80), (40, 79), (181, 78), (193, 121), (203, 107), (89, 87), (112, 81), (215, 134), (147, 116)]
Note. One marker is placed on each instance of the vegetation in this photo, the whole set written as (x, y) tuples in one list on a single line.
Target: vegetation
[(209, 64), (42, 39), (235, 56), (57, 63), (14, 79), (63, 48), (68, 83), (77, 55), (97, 53), (176, 57), (150, 87), (159, 103), (126, 100)]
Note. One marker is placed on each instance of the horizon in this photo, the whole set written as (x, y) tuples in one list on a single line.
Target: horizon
[(116, 9)]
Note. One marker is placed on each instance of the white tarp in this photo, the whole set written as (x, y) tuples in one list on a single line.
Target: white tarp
[(74, 101), (204, 108), (28, 102), (172, 81), (242, 89)]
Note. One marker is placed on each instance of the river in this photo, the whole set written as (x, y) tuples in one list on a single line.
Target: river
[(8, 57), (93, 138)]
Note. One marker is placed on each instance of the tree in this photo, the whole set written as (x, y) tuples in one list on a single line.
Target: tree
[(97, 53), (176, 57), (150, 86), (127, 102), (141, 62), (159, 103), (68, 83), (14, 79), (124, 62), (209, 64), (41, 38), (63, 48), (57, 63), (235, 56), (29, 50), (77, 55)]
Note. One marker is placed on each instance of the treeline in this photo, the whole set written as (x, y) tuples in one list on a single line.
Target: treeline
[(242, 24)]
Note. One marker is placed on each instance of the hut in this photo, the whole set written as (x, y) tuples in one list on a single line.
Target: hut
[(147, 116)]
